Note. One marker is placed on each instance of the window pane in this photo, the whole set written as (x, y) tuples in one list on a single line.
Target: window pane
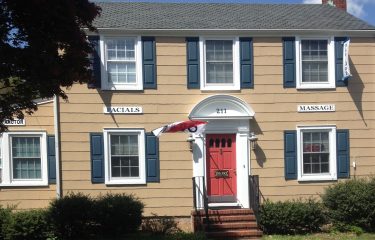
[(219, 73), (26, 157), (121, 72), (124, 155), (314, 60), (219, 65), (121, 49), (315, 152)]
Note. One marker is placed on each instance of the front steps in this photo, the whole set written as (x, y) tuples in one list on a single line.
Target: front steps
[(227, 224)]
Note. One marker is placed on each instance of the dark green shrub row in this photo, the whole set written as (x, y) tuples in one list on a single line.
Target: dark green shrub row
[(347, 206), (291, 217), (351, 203), (75, 216)]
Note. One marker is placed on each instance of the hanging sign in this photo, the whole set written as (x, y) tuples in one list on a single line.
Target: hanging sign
[(345, 64), (123, 110), (317, 108), (14, 122)]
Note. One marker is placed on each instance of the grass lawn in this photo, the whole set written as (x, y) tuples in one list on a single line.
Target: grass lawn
[(322, 236)]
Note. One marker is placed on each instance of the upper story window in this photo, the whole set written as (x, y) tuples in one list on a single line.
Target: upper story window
[(315, 63), (220, 61), (122, 63), (125, 158), (24, 159), (316, 153)]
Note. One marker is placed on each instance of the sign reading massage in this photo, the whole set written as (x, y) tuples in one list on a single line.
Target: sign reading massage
[(123, 110), (14, 122), (316, 108)]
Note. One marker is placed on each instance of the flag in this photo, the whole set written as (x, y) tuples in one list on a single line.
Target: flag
[(189, 126), (345, 60)]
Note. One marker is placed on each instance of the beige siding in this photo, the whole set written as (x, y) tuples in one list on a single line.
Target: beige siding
[(31, 197), (275, 109)]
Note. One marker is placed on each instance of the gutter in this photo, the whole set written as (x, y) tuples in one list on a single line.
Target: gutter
[(56, 114)]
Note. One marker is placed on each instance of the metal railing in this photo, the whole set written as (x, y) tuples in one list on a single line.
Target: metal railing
[(255, 194), (203, 192)]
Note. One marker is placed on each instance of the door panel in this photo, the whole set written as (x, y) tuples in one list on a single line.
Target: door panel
[(221, 167)]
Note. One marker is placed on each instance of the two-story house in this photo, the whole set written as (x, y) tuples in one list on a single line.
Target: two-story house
[(268, 79)]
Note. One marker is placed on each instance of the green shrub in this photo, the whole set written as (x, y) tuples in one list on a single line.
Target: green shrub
[(31, 224), (160, 225), (291, 217), (351, 203), (4, 216), (118, 214), (71, 216)]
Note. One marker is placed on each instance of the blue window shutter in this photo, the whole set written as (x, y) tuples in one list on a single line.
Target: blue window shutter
[(290, 154), (246, 63), (95, 62), (51, 157), (149, 63), (97, 157), (152, 158), (289, 61), (342, 148), (192, 54), (339, 42)]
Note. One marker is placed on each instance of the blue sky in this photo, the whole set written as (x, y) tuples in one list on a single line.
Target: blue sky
[(364, 9)]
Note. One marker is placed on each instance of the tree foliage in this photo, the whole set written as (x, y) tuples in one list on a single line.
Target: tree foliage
[(43, 48)]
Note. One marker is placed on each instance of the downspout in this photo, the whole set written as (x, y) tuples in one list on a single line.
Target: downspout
[(56, 114)]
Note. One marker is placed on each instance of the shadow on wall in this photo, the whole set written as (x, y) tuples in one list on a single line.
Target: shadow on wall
[(355, 88), (258, 151)]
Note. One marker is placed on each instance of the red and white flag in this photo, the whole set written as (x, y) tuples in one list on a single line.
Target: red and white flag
[(189, 126)]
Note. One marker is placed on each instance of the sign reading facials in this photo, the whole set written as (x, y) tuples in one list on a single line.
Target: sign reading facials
[(14, 122), (316, 108), (123, 110)]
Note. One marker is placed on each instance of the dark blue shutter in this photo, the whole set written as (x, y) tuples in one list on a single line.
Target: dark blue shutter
[(246, 62), (51, 157), (97, 157), (95, 63), (192, 54), (152, 158), (342, 148), (149, 63), (289, 61), (339, 42), (290, 154)]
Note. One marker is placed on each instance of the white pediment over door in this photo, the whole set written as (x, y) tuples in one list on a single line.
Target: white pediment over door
[(222, 107)]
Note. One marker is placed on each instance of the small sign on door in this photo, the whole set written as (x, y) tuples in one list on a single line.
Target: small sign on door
[(221, 173)]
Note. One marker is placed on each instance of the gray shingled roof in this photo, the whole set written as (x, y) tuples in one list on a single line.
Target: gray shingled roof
[(215, 16)]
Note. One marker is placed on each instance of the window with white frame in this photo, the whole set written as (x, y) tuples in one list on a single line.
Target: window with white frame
[(220, 63), (122, 63), (316, 153), (315, 58), (125, 156), (24, 159)]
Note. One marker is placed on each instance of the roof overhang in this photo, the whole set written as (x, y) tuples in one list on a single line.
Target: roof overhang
[(221, 107)]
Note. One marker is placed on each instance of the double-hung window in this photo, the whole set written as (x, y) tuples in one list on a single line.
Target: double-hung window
[(24, 159), (125, 158), (122, 63), (316, 153), (220, 61), (315, 63)]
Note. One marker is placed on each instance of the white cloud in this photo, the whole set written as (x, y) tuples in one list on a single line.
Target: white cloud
[(312, 1)]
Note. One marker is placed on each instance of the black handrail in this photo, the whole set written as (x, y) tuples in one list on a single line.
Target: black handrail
[(254, 193), (204, 197)]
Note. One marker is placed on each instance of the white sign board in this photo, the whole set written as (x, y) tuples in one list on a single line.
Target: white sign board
[(14, 122), (123, 110), (316, 108)]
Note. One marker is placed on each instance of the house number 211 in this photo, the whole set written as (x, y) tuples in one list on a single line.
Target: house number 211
[(221, 110)]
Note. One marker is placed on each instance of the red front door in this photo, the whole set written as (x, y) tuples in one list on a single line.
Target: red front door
[(221, 167)]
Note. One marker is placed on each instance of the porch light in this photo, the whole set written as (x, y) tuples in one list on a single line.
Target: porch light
[(253, 140), (191, 141)]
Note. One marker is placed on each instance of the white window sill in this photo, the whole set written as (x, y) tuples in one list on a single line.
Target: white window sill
[(123, 87), (25, 183), (221, 88), (316, 86), (317, 178), (125, 181)]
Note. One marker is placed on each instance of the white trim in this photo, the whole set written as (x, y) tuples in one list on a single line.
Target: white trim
[(7, 179), (236, 65), (331, 64), (138, 63), (332, 175), (141, 153)]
